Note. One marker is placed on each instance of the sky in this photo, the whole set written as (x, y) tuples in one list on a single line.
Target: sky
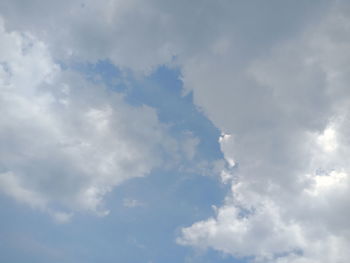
[(152, 131)]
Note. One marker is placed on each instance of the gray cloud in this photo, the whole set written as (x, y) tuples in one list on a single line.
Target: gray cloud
[(287, 120)]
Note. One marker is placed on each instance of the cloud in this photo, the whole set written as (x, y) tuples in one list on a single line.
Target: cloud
[(132, 203), (287, 112), (66, 142), (272, 77), (143, 35)]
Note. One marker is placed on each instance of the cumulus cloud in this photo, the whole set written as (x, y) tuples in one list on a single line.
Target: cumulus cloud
[(288, 119), (66, 142)]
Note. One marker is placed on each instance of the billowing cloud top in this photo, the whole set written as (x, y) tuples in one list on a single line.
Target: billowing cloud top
[(272, 76)]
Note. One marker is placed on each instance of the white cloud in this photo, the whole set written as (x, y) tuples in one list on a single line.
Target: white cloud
[(10, 185), (131, 203), (327, 140), (65, 142), (288, 111)]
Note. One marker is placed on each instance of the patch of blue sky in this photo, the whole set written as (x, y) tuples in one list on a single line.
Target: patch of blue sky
[(146, 213), (161, 90), (167, 200), (144, 233), (127, 235)]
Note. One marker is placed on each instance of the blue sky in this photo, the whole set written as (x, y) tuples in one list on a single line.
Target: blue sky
[(167, 199), (160, 131)]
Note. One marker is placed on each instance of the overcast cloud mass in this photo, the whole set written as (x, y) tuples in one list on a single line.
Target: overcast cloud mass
[(192, 131)]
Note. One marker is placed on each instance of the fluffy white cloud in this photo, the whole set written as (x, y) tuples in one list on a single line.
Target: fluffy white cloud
[(66, 142), (288, 113)]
